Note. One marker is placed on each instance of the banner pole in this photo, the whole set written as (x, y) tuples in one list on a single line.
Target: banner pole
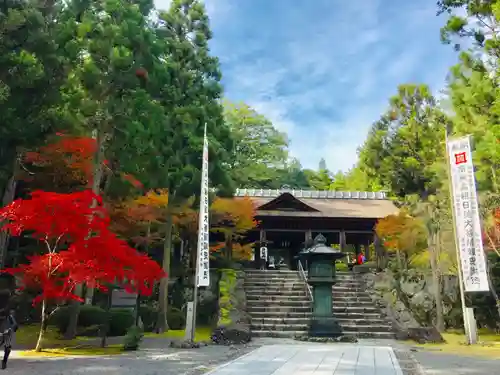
[(468, 313)]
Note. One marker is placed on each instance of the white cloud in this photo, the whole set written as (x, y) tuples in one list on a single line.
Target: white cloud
[(325, 75)]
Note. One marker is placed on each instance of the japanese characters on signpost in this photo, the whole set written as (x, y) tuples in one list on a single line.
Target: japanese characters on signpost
[(467, 224), (202, 275)]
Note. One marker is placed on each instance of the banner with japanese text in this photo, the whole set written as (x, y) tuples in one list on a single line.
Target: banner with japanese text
[(468, 224), (203, 268)]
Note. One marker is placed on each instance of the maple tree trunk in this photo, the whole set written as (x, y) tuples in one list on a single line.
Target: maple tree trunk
[(8, 197), (161, 322), (43, 326)]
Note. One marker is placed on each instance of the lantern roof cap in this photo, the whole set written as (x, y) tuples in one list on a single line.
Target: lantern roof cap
[(320, 247)]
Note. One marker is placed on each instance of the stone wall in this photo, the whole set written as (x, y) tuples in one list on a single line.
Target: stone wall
[(233, 326), (411, 305)]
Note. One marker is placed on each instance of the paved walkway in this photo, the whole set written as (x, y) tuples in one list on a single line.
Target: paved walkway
[(314, 359)]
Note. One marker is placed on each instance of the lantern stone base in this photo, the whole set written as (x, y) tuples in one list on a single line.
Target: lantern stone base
[(324, 326)]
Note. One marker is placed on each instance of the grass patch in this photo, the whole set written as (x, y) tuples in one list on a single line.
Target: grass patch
[(27, 336), (75, 351), (488, 345), (201, 334)]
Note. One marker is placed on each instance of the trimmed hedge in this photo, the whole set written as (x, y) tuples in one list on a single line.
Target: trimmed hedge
[(91, 318)]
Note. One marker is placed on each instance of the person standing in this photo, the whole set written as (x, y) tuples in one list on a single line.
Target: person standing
[(9, 327)]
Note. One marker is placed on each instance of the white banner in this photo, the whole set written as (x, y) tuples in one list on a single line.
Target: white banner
[(468, 224), (203, 268)]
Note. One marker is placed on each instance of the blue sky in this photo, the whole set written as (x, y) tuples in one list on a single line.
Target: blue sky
[(323, 70)]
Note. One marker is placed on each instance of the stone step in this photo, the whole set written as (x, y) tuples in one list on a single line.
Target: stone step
[(280, 314), (279, 292), (270, 326), (352, 303), (278, 309), (292, 334), (350, 293), (344, 322), (279, 327), (351, 299), (307, 314), (278, 334), (277, 298), (355, 309), (276, 303), (290, 283)]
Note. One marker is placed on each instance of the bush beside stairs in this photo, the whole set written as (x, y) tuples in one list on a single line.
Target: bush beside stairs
[(279, 305)]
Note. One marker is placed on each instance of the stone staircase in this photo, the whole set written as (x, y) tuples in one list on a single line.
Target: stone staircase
[(279, 305)]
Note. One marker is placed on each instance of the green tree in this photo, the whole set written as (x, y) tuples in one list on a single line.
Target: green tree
[(318, 180), (260, 149), (480, 25), (189, 91), (33, 66), (475, 96), (113, 48), (406, 141)]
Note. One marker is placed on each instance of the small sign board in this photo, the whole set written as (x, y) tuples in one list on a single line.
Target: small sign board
[(120, 298), (263, 252), (189, 321)]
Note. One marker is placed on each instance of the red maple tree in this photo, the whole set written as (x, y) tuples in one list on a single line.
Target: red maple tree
[(80, 248), (69, 160)]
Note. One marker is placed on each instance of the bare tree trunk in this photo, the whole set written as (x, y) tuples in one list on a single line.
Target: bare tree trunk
[(229, 247), (161, 322), (433, 255), (492, 287), (43, 325), (8, 197), (400, 261), (96, 182)]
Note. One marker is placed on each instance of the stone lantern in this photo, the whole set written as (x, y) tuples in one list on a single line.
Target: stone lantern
[(321, 277)]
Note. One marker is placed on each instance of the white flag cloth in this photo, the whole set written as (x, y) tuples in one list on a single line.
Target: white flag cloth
[(203, 256), (468, 224)]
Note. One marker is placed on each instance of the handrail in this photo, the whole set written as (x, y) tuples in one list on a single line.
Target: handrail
[(304, 277)]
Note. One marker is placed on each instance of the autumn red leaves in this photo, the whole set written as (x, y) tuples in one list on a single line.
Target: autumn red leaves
[(80, 248)]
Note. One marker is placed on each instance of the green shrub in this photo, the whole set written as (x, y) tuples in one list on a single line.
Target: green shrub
[(89, 316), (133, 338), (148, 316), (175, 318), (120, 320), (341, 266)]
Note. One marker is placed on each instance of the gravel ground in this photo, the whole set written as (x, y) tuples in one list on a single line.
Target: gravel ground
[(154, 359)]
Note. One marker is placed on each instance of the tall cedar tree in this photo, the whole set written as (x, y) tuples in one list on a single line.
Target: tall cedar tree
[(33, 67), (188, 89)]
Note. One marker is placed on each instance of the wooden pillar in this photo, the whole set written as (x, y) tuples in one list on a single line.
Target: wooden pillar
[(342, 241), (379, 252), (308, 238), (357, 249), (367, 251), (262, 242)]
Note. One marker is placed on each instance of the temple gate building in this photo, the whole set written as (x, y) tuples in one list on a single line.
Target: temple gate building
[(290, 219)]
